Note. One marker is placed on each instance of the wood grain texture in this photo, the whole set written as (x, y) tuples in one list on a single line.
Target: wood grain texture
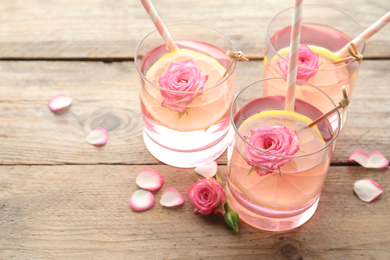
[(68, 212), (62, 198), (105, 94), (108, 29)]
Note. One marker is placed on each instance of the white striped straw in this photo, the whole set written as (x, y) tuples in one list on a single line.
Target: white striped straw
[(294, 55), (367, 34), (171, 45)]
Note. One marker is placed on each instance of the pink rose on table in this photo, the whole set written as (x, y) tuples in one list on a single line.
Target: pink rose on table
[(207, 196), (307, 58), (276, 140), (182, 77)]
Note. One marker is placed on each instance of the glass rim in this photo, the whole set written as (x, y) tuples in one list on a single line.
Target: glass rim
[(186, 92), (314, 5), (278, 155)]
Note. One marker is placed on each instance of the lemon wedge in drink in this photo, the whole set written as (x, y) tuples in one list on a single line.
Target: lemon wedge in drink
[(330, 75), (301, 179), (324, 53), (208, 65), (292, 120), (205, 110)]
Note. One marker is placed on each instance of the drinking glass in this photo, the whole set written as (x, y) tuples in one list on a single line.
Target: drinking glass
[(325, 30), (196, 133), (281, 192)]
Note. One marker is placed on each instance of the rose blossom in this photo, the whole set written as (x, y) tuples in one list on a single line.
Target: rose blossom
[(307, 58), (184, 77), (276, 140), (207, 195)]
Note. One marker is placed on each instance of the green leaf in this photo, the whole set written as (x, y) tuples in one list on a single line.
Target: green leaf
[(228, 208), (251, 170), (231, 218), (218, 178), (182, 113)]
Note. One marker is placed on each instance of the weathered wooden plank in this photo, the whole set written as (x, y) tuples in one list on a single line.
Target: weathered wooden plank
[(105, 94), (111, 29), (57, 212)]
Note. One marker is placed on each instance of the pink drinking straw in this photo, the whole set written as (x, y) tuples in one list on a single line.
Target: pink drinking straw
[(294, 54), (171, 45), (370, 31)]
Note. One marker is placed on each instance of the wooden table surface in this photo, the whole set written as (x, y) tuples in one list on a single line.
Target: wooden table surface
[(62, 198)]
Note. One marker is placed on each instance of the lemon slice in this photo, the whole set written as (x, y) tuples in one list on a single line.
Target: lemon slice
[(330, 75), (323, 52), (300, 181), (208, 65), (205, 110), (286, 190), (292, 120)]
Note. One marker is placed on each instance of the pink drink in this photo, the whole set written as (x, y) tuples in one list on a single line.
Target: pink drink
[(325, 30), (198, 135), (286, 200), (330, 76)]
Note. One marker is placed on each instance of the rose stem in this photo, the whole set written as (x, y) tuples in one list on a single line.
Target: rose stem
[(342, 104)]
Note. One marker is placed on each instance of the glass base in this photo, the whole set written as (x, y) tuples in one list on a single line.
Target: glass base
[(185, 159), (269, 223)]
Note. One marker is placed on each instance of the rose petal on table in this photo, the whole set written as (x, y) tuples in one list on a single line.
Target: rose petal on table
[(367, 189), (149, 179), (377, 160), (360, 157), (374, 160), (171, 197), (207, 170), (99, 136), (141, 200), (59, 101)]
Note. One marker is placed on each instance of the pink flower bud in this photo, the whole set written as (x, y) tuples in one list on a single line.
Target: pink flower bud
[(181, 77), (307, 62), (207, 196), (277, 140)]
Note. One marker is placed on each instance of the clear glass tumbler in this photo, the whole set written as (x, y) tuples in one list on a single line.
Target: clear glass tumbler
[(270, 188), (186, 128), (325, 30)]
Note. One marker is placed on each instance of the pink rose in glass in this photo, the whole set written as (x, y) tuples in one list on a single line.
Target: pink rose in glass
[(276, 140), (182, 77), (307, 58), (207, 196)]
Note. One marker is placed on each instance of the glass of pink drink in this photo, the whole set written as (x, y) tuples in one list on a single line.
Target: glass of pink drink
[(325, 31), (284, 196), (186, 128)]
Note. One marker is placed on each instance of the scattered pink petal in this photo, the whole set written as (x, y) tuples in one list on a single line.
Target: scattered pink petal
[(99, 136), (375, 160), (149, 179), (171, 197), (141, 200), (59, 101), (367, 189), (207, 170)]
